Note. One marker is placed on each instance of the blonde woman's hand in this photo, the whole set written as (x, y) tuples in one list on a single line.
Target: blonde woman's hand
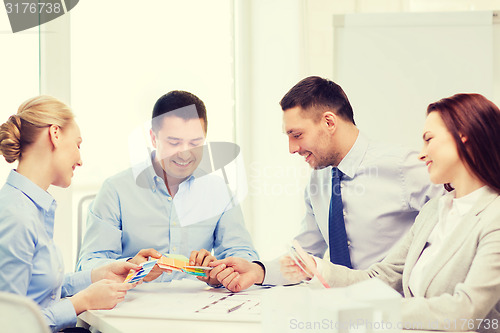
[(102, 295), (143, 256), (116, 271)]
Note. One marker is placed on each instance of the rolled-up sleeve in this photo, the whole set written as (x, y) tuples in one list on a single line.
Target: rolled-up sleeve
[(232, 238)]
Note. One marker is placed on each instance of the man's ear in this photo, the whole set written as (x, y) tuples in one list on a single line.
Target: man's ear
[(330, 120), (153, 138), (54, 135)]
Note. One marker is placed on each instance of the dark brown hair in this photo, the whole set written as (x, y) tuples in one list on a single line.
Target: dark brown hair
[(478, 119), (175, 103), (314, 91)]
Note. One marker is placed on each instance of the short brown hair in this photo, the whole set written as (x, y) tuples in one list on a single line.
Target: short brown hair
[(314, 91), (176, 103)]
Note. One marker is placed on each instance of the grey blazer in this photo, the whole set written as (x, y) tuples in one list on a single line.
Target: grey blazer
[(463, 286)]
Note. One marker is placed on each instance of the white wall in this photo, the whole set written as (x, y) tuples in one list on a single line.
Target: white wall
[(55, 73), (319, 28), (274, 58), (19, 74), (412, 62)]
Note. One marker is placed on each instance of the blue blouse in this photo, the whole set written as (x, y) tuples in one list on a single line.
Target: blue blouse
[(30, 263)]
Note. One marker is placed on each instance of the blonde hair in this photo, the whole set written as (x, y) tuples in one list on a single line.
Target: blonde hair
[(23, 128)]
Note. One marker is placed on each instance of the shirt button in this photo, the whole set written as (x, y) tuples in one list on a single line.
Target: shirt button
[(169, 198), (53, 297), (342, 185), (174, 223), (348, 243), (344, 213)]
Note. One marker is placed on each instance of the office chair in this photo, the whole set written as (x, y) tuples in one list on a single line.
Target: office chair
[(83, 206), (20, 314)]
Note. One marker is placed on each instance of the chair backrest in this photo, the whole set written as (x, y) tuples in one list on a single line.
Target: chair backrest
[(20, 314), (83, 208)]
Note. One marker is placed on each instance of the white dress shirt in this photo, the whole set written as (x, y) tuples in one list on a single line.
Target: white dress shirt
[(451, 212), (383, 189)]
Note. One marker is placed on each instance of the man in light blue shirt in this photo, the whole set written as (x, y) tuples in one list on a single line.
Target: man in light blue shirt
[(383, 187), (168, 203)]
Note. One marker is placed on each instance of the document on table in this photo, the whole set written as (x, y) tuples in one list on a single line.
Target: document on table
[(189, 299)]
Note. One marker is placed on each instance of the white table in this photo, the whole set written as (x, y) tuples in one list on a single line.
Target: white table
[(107, 324), (152, 308), (144, 308)]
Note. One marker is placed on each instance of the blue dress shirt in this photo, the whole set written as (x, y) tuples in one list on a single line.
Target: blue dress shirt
[(134, 210), (383, 189), (31, 264)]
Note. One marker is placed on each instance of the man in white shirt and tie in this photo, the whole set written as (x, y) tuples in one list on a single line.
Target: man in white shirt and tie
[(378, 189)]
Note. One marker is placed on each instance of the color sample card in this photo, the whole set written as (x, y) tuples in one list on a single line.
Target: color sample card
[(174, 262), (146, 267), (177, 262)]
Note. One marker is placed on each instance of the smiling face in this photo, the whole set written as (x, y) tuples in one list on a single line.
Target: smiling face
[(179, 146), (440, 152), (66, 153), (310, 139)]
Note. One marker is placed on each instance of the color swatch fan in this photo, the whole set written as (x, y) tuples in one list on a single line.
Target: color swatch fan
[(136, 276), (177, 262)]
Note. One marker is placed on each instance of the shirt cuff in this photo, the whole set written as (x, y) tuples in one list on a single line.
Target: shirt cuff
[(272, 271), (263, 268), (60, 315)]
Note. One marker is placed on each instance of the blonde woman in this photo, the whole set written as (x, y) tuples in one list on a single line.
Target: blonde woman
[(45, 139), (447, 266)]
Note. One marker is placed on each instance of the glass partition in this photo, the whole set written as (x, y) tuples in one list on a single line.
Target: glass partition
[(19, 65)]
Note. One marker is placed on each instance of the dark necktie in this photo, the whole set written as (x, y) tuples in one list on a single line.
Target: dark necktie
[(339, 251)]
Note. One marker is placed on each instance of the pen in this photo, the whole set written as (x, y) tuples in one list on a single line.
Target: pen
[(235, 308)]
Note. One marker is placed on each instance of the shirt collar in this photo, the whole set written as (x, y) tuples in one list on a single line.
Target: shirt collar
[(40, 197), (351, 162), (464, 204), (145, 175)]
